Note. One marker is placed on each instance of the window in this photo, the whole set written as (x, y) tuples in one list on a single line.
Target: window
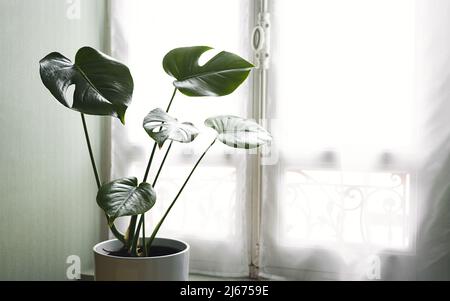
[(341, 101), (337, 95)]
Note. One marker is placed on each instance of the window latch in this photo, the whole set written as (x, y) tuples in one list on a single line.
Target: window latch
[(261, 40)]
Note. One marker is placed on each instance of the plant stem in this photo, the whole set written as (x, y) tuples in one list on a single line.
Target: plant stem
[(150, 160), (155, 231), (141, 220), (116, 232), (171, 100), (147, 170), (131, 230), (91, 155), (113, 228), (143, 236), (162, 164)]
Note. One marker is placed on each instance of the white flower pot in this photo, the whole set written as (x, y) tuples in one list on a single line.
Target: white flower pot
[(171, 266)]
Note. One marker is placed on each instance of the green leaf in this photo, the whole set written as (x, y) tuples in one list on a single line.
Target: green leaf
[(219, 76), (238, 132), (160, 127), (124, 197), (103, 86)]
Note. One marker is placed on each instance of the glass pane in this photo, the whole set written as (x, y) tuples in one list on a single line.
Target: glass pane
[(343, 74)]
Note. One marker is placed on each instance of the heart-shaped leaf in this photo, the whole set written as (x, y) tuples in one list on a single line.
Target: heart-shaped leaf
[(124, 197), (160, 127), (220, 76), (103, 86), (238, 132)]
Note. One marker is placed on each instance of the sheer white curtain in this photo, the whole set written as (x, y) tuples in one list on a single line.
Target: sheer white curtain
[(359, 105), (211, 212)]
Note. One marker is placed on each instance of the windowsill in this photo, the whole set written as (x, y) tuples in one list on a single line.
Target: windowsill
[(197, 277), (89, 276)]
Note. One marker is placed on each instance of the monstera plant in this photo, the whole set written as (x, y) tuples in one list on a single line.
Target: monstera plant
[(104, 86)]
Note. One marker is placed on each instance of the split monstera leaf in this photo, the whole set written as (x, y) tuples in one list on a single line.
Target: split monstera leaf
[(238, 132), (169, 128), (104, 86), (220, 76)]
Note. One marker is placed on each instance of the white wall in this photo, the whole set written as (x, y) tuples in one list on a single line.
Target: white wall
[(47, 187)]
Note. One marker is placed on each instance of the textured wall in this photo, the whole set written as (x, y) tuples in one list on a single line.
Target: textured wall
[(47, 188)]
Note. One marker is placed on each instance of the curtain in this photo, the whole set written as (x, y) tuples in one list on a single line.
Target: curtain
[(359, 108), (211, 214), (357, 187)]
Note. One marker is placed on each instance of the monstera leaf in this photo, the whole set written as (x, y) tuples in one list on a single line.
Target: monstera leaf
[(160, 127), (219, 76), (238, 132), (103, 86), (124, 197)]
